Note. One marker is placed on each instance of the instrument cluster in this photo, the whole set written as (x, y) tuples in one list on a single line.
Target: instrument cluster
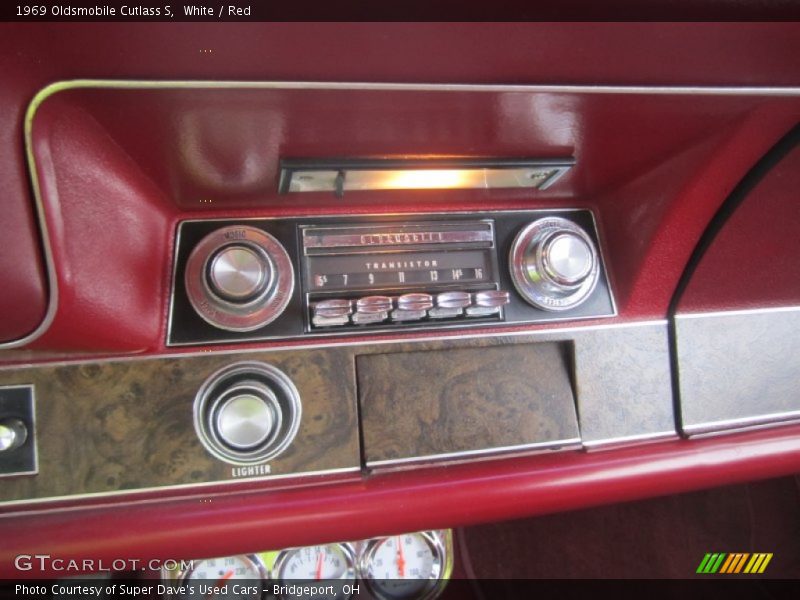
[(411, 566)]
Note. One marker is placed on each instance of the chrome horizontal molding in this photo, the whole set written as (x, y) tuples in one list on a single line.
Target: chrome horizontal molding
[(630, 440), (169, 488), (744, 424), (550, 445), (736, 312), (371, 239), (733, 90), (544, 334)]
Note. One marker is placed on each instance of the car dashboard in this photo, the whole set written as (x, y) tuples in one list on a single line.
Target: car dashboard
[(259, 310)]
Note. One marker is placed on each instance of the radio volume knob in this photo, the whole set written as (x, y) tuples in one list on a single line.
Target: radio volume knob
[(554, 264), (567, 259), (239, 278), (238, 273)]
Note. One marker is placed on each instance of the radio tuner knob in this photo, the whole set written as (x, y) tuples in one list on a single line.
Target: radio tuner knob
[(238, 273), (239, 278), (567, 259), (554, 264)]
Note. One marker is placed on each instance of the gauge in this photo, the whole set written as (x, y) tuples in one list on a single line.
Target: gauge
[(239, 577), (405, 566), (334, 564)]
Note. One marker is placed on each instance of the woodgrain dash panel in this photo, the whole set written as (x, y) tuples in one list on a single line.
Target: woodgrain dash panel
[(467, 400), (127, 425)]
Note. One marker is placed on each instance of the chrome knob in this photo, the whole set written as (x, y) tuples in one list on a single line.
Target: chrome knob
[(567, 259), (238, 273), (554, 264), (13, 434), (245, 420), (239, 278)]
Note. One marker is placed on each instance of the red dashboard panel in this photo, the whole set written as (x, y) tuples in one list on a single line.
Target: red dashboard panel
[(117, 168), (748, 265), (647, 54)]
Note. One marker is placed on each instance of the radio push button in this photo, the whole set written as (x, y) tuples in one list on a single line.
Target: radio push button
[(488, 303), (450, 305), (412, 307), (417, 301), (372, 309), (328, 313)]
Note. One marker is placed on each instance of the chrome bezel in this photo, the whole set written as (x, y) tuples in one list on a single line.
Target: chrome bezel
[(253, 314), (347, 549), (442, 565), (215, 390), (253, 559), (545, 293)]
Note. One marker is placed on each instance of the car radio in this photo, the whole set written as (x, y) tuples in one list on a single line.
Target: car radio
[(254, 279)]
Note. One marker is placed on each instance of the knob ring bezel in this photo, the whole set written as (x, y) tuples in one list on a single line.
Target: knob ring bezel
[(255, 313), (235, 377), (545, 293)]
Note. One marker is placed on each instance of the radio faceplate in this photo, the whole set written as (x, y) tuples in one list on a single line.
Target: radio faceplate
[(381, 273)]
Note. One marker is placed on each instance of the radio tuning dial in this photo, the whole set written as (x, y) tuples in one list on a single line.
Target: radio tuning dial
[(554, 264), (239, 278)]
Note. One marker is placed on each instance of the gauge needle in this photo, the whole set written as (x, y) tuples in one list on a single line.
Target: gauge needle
[(319, 566), (220, 581), (401, 561)]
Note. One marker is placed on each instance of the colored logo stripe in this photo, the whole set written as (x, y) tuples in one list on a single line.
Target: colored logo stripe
[(711, 563), (758, 563), (733, 563)]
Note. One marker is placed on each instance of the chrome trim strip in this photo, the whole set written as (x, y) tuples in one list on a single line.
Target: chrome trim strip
[(756, 421), (617, 442), (555, 334), (35, 470), (403, 239), (423, 87), (567, 444), (738, 312), (60, 86), (180, 486)]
